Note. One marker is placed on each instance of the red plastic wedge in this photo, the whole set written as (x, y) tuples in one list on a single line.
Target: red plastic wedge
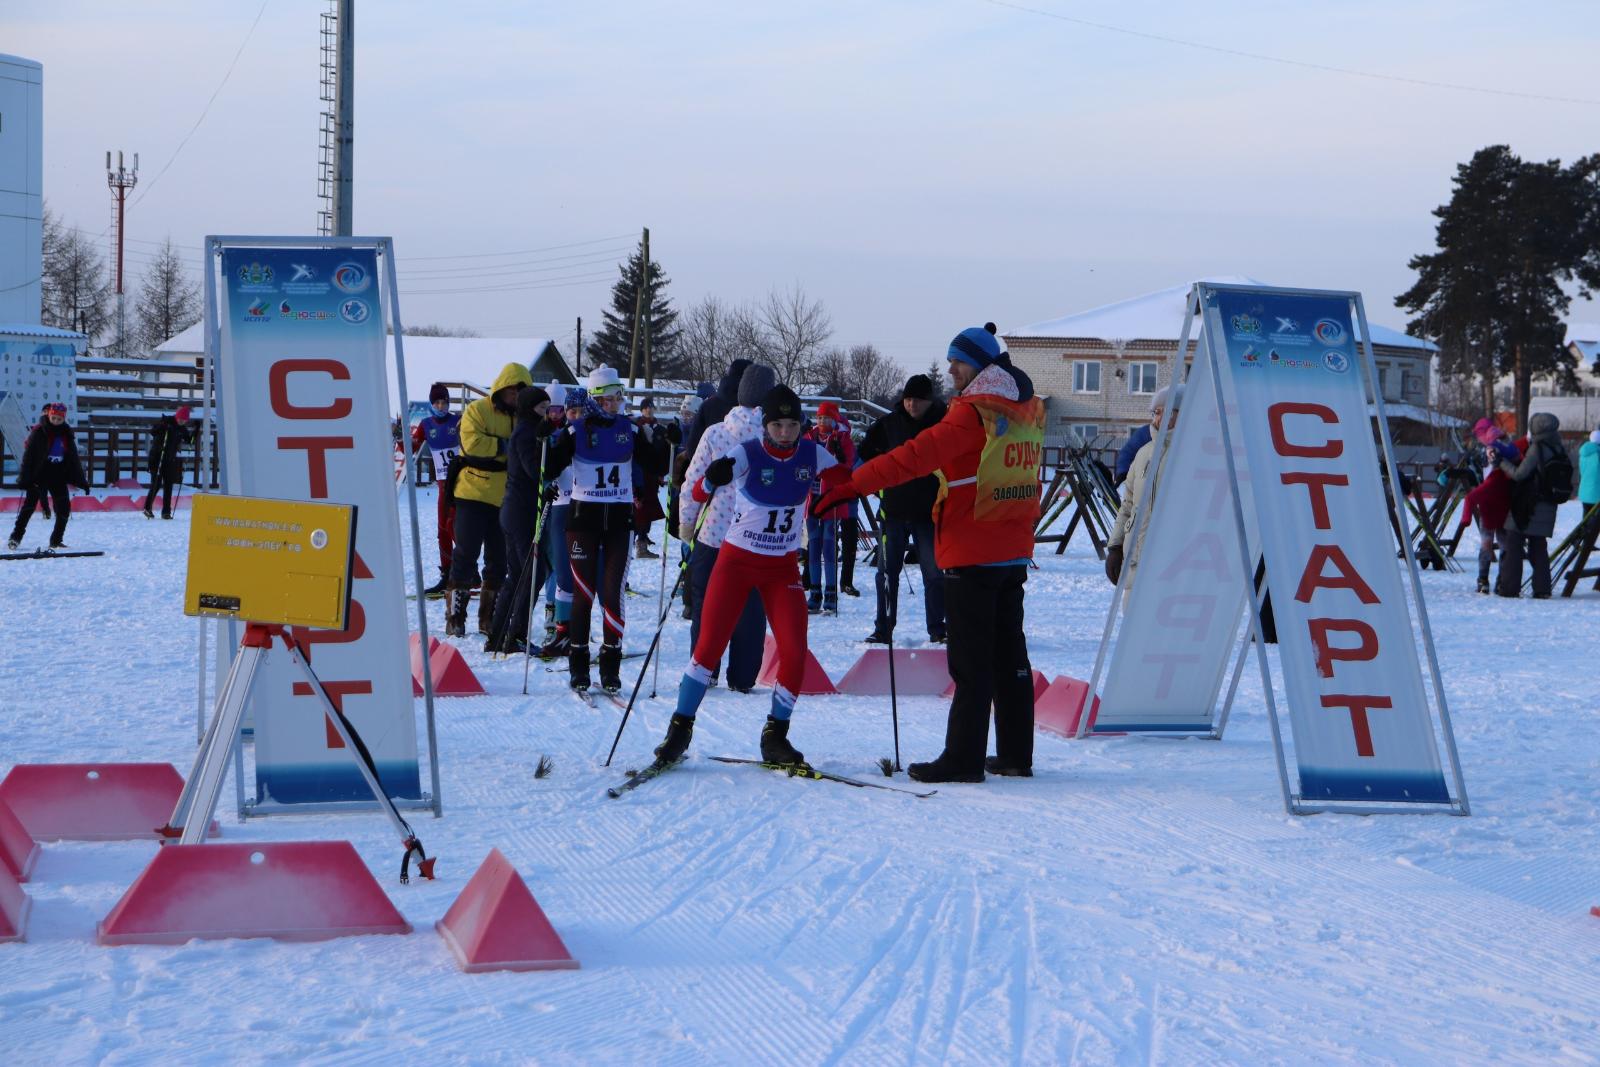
[(18, 850), (92, 801), (496, 925), (14, 904), (917, 672), (1040, 684), (1061, 705), (1595, 911), (451, 675), (288, 890), (816, 683)]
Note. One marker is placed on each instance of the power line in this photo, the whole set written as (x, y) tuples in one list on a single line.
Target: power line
[(551, 283), (524, 251), (207, 109), (466, 273), (1325, 68)]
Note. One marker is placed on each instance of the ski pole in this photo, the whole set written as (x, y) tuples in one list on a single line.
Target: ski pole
[(893, 606), (666, 542), (530, 568), (655, 642)]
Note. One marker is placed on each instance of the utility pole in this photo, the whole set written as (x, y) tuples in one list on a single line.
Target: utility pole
[(579, 349), (336, 155), (641, 309), (345, 121), (121, 179)]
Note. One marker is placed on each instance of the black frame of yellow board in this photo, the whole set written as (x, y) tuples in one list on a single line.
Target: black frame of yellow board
[(259, 560)]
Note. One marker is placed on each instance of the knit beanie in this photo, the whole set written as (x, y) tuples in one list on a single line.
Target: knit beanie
[(778, 403), (182, 414), (918, 387), (437, 391), (577, 396), (1485, 430), (558, 395), (754, 385), (527, 400), (604, 380), (977, 347)]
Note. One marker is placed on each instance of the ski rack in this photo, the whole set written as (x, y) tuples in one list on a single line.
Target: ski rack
[(197, 804)]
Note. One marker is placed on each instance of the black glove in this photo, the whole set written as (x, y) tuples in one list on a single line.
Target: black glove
[(1114, 563), (720, 472)]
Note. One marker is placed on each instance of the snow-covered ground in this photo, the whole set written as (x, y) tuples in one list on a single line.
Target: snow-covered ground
[(1139, 900)]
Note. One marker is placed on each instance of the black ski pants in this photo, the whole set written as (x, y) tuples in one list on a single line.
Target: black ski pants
[(1537, 551), (56, 486), (897, 534), (162, 479), (989, 663), (599, 566), (478, 530), (511, 609)]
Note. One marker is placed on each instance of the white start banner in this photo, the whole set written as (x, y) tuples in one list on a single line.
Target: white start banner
[(303, 391), (1184, 585)]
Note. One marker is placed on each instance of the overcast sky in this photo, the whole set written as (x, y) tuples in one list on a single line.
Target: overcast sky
[(918, 166)]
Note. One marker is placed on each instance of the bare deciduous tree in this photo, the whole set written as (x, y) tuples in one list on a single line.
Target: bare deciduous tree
[(76, 292), (794, 328), (712, 335)]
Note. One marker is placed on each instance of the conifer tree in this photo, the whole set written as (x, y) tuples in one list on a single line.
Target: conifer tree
[(613, 341)]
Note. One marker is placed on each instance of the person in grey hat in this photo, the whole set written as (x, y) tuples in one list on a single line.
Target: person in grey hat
[(741, 424), (1166, 403)]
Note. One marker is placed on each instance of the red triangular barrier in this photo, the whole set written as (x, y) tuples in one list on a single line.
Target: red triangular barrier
[(288, 890), (496, 925), (1040, 684), (1057, 710), (816, 684), (451, 675), (14, 904), (917, 672), (92, 801), (18, 849)]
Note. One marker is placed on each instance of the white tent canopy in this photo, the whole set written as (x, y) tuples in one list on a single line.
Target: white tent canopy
[(1158, 316)]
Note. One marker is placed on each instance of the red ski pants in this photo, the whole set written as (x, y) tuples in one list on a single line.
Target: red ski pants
[(777, 580)]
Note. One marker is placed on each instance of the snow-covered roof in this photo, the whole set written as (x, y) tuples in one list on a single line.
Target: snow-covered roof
[(1396, 410), (1158, 316), (1587, 350), (43, 333), (189, 342)]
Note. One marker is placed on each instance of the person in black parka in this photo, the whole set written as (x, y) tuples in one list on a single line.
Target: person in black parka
[(508, 632), (164, 463), (50, 464)]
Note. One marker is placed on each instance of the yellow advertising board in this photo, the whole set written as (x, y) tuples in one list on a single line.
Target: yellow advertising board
[(284, 562)]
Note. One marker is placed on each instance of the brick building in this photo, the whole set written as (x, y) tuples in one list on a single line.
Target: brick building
[(1098, 369)]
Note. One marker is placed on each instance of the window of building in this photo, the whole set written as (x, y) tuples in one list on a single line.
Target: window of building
[(1084, 431), (1142, 378), (1086, 376)]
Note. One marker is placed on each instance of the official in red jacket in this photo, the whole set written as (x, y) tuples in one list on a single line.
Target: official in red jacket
[(985, 453)]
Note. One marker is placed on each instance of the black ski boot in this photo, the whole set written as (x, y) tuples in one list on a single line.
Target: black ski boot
[(611, 668), (455, 616), (559, 645), (439, 588), (679, 731), (775, 746), (578, 669)]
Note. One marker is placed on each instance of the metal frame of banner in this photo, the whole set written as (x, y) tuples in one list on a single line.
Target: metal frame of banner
[(1293, 802), (1141, 515), (389, 300)]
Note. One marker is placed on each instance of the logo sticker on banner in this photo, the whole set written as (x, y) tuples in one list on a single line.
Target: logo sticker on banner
[(305, 416)]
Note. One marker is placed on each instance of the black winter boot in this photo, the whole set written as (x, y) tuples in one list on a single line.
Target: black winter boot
[(438, 589), (775, 746), (611, 668), (578, 669), (679, 732), (942, 770), (993, 765), (455, 616)]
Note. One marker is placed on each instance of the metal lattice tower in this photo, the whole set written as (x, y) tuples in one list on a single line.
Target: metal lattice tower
[(121, 179), (328, 151)]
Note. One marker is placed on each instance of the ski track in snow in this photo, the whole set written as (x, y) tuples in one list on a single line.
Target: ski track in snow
[(1138, 901)]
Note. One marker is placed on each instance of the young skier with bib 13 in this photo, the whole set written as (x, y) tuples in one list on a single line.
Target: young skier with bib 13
[(770, 478), (986, 454)]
